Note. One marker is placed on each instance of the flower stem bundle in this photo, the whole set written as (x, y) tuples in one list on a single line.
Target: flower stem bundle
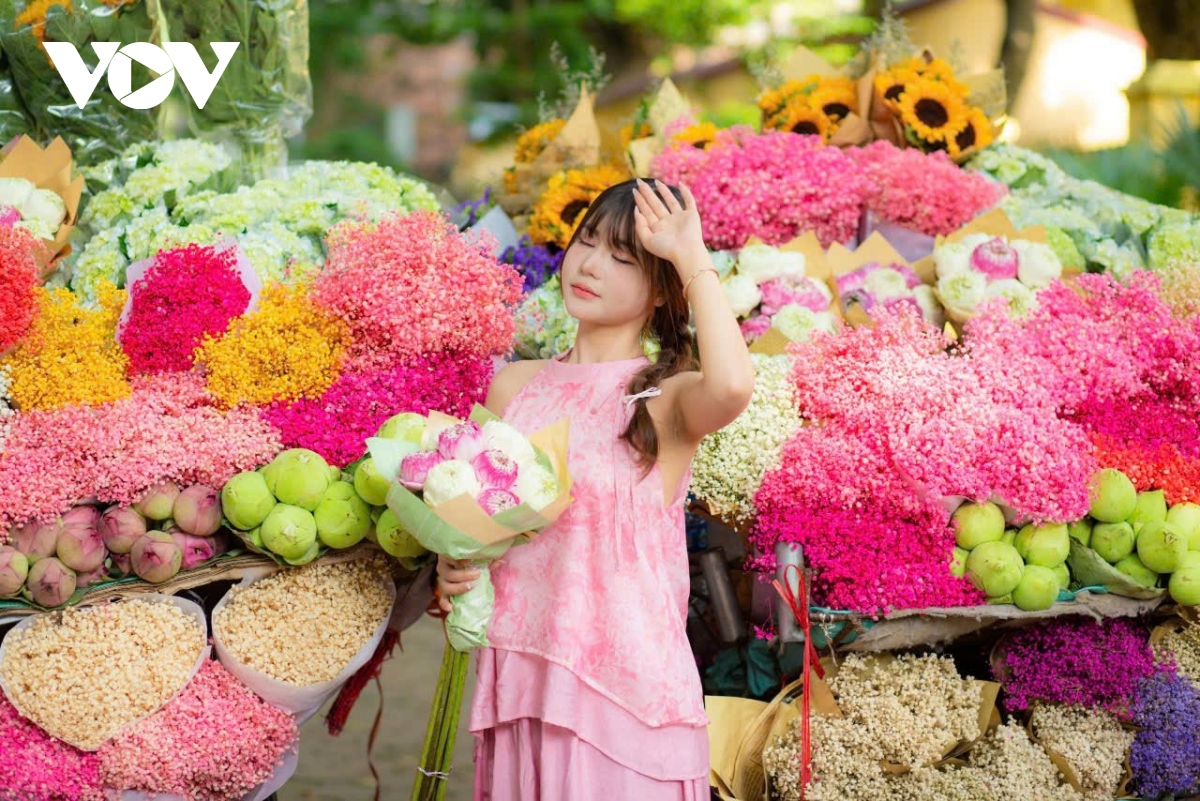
[(437, 753)]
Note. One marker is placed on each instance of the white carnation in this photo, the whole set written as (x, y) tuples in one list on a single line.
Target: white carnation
[(886, 284), (1038, 264), (763, 262), (536, 486), (742, 293), (449, 479)]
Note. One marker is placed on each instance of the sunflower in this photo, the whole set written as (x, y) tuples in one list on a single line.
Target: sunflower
[(977, 133), (699, 136), (836, 97), (559, 210), (800, 118), (932, 111), (531, 143), (890, 83)]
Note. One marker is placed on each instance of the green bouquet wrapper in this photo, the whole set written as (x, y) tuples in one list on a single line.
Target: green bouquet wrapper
[(461, 529)]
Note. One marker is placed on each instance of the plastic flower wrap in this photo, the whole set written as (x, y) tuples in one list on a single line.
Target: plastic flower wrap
[(412, 285), (730, 464), (265, 94), (544, 329), (988, 260), (774, 186), (471, 489), (104, 126)]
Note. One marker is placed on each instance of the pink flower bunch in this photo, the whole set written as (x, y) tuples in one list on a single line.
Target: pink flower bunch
[(18, 277), (186, 293), (1075, 661), (772, 185), (1155, 441), (786, 290), (215, 740), (875, 544), (337, 424), (924, 191), (168, 429), (34, 765), (412, 285)]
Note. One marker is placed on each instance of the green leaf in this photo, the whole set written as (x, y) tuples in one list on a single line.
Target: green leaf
[(1089, 568)]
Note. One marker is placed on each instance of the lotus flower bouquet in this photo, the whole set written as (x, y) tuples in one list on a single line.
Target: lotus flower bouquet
[(988, 260), (781, 291), (470, 489), (39, 193), (874, 276)]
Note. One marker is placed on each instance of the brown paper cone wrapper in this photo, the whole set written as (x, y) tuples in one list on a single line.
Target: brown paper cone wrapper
[(577, 145), (47, 169), (842, 260)]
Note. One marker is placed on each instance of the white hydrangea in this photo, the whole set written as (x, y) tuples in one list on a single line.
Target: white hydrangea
[(729, 464), (742, 293), (102, 260), (761, 263)]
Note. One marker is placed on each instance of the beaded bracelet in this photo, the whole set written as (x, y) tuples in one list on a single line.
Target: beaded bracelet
[(693, 278)]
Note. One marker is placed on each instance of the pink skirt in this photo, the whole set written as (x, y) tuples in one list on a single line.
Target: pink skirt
[(529, 760)]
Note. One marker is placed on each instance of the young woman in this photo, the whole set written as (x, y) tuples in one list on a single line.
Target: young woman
[(589, 690)]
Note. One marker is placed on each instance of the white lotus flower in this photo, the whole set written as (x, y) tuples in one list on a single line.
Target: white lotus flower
[(449, 479), (931, 309), (962, 292), (1039, 265), (742, 293), (797, 322), (15, 191), (763, 262), (536, 486), (1021, 299), (501, 436), (886, 284)]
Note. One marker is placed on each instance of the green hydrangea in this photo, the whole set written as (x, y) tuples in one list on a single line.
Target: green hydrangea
[(1174, 245)]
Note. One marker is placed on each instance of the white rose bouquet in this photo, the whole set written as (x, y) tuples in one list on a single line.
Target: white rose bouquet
[(471, 489)]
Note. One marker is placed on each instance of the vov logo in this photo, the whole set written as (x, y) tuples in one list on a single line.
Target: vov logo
[(117, 61)]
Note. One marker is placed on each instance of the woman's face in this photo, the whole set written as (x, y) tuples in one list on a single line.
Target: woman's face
[(601, 285)]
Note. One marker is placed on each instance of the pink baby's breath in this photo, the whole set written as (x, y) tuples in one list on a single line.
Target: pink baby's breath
[(34, 765)]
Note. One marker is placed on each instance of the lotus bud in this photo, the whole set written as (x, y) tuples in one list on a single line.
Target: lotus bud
[(1038, 589), (536, 486), (80, 546), (1151, 507), (298, 477), (121, 564), (462, 441), (1133, 567), (1063, 575), (1080, 530), (494, 469), (342, 517), (415, 468), (50, 583), (995, 568), (14, 567), (1184, 586), (405, 426), (97, 576), (197, 511), (1160, 546), (1046, 545), (1185, 517), (1113, 541), (1113, 496), (977, 523), (958, 562), (37, 540), (158, 501), (371, 485), (289, 531), (996, 259), (196, 549), (494, 500), (246, 500), (395, 539), (155, 557), (120, 527)]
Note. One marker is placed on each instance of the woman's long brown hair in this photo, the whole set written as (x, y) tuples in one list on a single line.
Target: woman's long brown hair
[(611, 215)]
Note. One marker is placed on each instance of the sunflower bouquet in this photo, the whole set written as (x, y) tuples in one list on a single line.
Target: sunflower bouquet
[(104, 126), (922, 103), (814, 105), (558, 212)]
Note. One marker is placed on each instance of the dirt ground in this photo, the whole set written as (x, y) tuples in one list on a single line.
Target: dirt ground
[(335, 768)]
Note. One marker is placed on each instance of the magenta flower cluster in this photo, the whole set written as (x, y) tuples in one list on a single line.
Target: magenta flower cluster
[(1095, 664), (926, 192), (337, 424), (168, 429), (773, 185), (216, 741), (34, 765), (186, 293)]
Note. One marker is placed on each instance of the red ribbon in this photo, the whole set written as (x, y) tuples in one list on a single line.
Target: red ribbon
[(798, 602)]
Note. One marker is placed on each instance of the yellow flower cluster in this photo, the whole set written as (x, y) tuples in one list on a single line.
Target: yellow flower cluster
[(287, 348), (815, 105), (561, 207), (34, 16), (629, 132), (70, 355), (932, 106), (531, 143), (700, 136)]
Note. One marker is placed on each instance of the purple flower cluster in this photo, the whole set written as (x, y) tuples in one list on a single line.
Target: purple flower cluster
[(535, 263), (1165, 757), (1075, 661), (470, 212)]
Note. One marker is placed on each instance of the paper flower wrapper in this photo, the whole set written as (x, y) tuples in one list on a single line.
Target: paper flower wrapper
[(842, 261), (668, 105), (461, 529), (47, 169)]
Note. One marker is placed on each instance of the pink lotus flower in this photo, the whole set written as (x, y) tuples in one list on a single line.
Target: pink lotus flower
[(780, 292), (494, 469), (9, 215), (755, 327), (996, 259), (462, 441), (494, 500), (416, 466)]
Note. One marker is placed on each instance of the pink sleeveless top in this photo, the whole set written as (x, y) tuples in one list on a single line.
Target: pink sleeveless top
[(603, 592)]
